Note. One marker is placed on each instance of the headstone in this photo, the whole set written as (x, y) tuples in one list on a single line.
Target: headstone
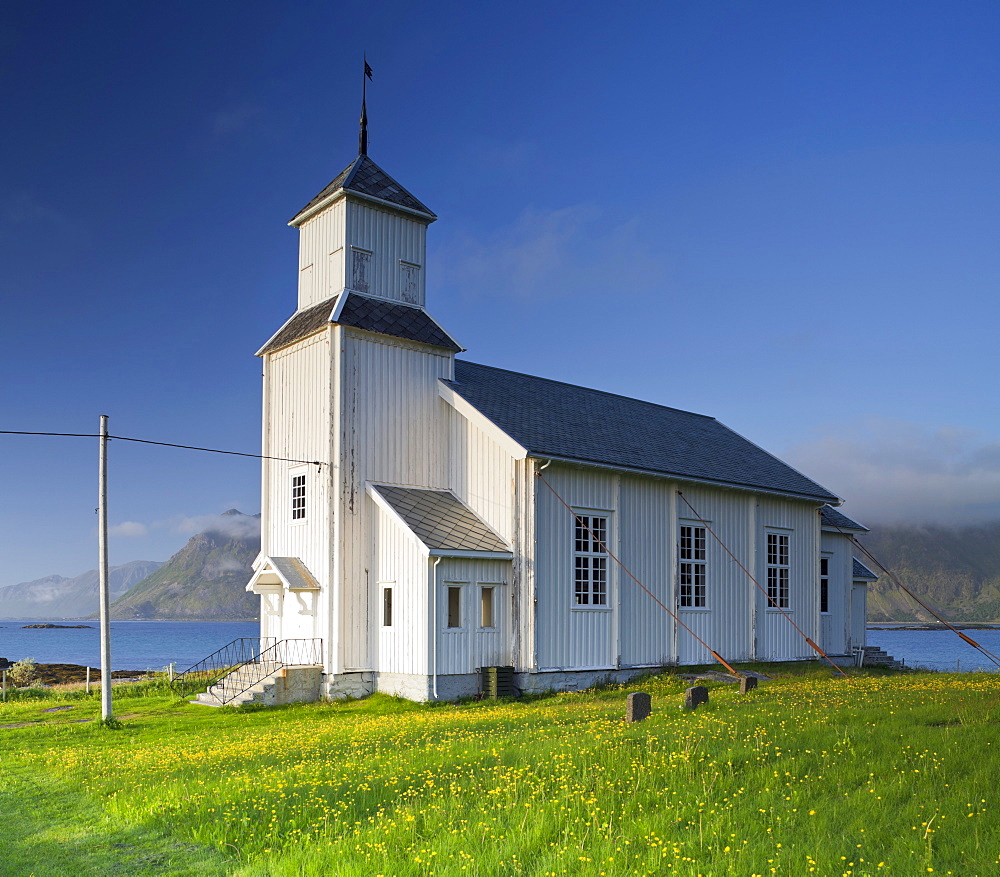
[(695, 696), (748, 683), (640, 705)]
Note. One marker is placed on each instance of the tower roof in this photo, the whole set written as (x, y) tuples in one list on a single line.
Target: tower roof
[(363, 177)]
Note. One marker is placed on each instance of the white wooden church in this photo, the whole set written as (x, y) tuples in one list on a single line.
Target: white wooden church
[(465, 517)]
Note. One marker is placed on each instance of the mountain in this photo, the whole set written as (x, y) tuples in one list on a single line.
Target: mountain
[(205, 580), (956, 570), (62, 597)]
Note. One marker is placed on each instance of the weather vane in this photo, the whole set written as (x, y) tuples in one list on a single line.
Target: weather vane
[(363, 136)]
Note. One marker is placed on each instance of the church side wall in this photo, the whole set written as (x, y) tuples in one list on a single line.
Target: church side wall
[(321, 257), (394, 431), (297, 418), (644, 516)]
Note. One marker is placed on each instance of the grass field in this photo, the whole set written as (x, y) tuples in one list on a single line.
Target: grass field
[(874, 774)]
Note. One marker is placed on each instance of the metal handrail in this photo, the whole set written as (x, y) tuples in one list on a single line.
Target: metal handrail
[(284, 653), (221, 662)]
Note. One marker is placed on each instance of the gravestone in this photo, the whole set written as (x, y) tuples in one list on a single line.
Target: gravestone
[(695, 696), (639, 706), (748, 683)]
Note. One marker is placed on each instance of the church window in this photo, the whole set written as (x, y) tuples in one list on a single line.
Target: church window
[(824, 584), (777, 570), (486, 606), (387, 607), (591, 560), (361, 263), (298, 497), (693, 560), (454, 606)]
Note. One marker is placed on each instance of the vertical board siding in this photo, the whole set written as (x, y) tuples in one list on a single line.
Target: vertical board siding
[(402, 648), (524, 597), (726, 622), (777, 639), (392, 239), (394, 430), (647, 551), (859, 609), (466, 649), (319, 239), (481, 473), (565, 635), (297, 409), (836, 623)]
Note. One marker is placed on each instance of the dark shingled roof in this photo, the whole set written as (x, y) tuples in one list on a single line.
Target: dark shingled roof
[(393, 318), (370, 314), (833, 518), (552, 419), (366, 178), (301, 325), (440, 520), (861, 571)]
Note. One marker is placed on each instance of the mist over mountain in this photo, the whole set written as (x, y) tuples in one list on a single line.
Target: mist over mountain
[(60, 597), (956, 570), (204, 581)]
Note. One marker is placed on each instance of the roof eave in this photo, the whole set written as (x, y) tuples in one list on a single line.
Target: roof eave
[(685, 479), (308, 213)]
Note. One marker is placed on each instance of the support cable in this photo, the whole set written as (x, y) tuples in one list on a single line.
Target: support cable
[(982, 649), (763, 590), (627, 572), (123, 438)]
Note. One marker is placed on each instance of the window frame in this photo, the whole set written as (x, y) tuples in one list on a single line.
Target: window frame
[(298, 508), (485, 587), (388, 616), (824, 584), (695, 558), (457, 588), (778, 570), (592, 590)]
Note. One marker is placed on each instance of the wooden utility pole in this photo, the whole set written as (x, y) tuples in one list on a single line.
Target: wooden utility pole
[(102, 542)]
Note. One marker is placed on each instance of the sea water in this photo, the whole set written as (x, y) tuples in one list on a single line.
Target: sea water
[(938, 649), (135, 645)]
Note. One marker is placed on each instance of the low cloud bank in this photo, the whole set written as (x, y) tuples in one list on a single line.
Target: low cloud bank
[(891, 471)]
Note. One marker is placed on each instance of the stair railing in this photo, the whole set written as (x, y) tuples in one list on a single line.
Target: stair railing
[(284, 653), (210, 670)]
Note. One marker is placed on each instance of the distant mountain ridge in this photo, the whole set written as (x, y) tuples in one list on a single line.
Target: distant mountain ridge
[(204, 581), (60, 597), (956, 570)]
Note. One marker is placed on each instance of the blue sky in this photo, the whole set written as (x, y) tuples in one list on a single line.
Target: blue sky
[(783, 215)]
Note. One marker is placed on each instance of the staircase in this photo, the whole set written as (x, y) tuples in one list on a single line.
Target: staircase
[(876, 657), (286, 671), (267, 683)]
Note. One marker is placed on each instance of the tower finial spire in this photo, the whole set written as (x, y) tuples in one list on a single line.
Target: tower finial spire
[(363, 134)]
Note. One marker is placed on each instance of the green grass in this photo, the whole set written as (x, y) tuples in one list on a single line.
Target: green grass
[(874, 774)]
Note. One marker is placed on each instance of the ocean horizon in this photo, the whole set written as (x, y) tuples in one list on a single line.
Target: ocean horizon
[(135, 645)]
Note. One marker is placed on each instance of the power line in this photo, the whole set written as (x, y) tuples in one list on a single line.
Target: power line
[(124, 438)]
